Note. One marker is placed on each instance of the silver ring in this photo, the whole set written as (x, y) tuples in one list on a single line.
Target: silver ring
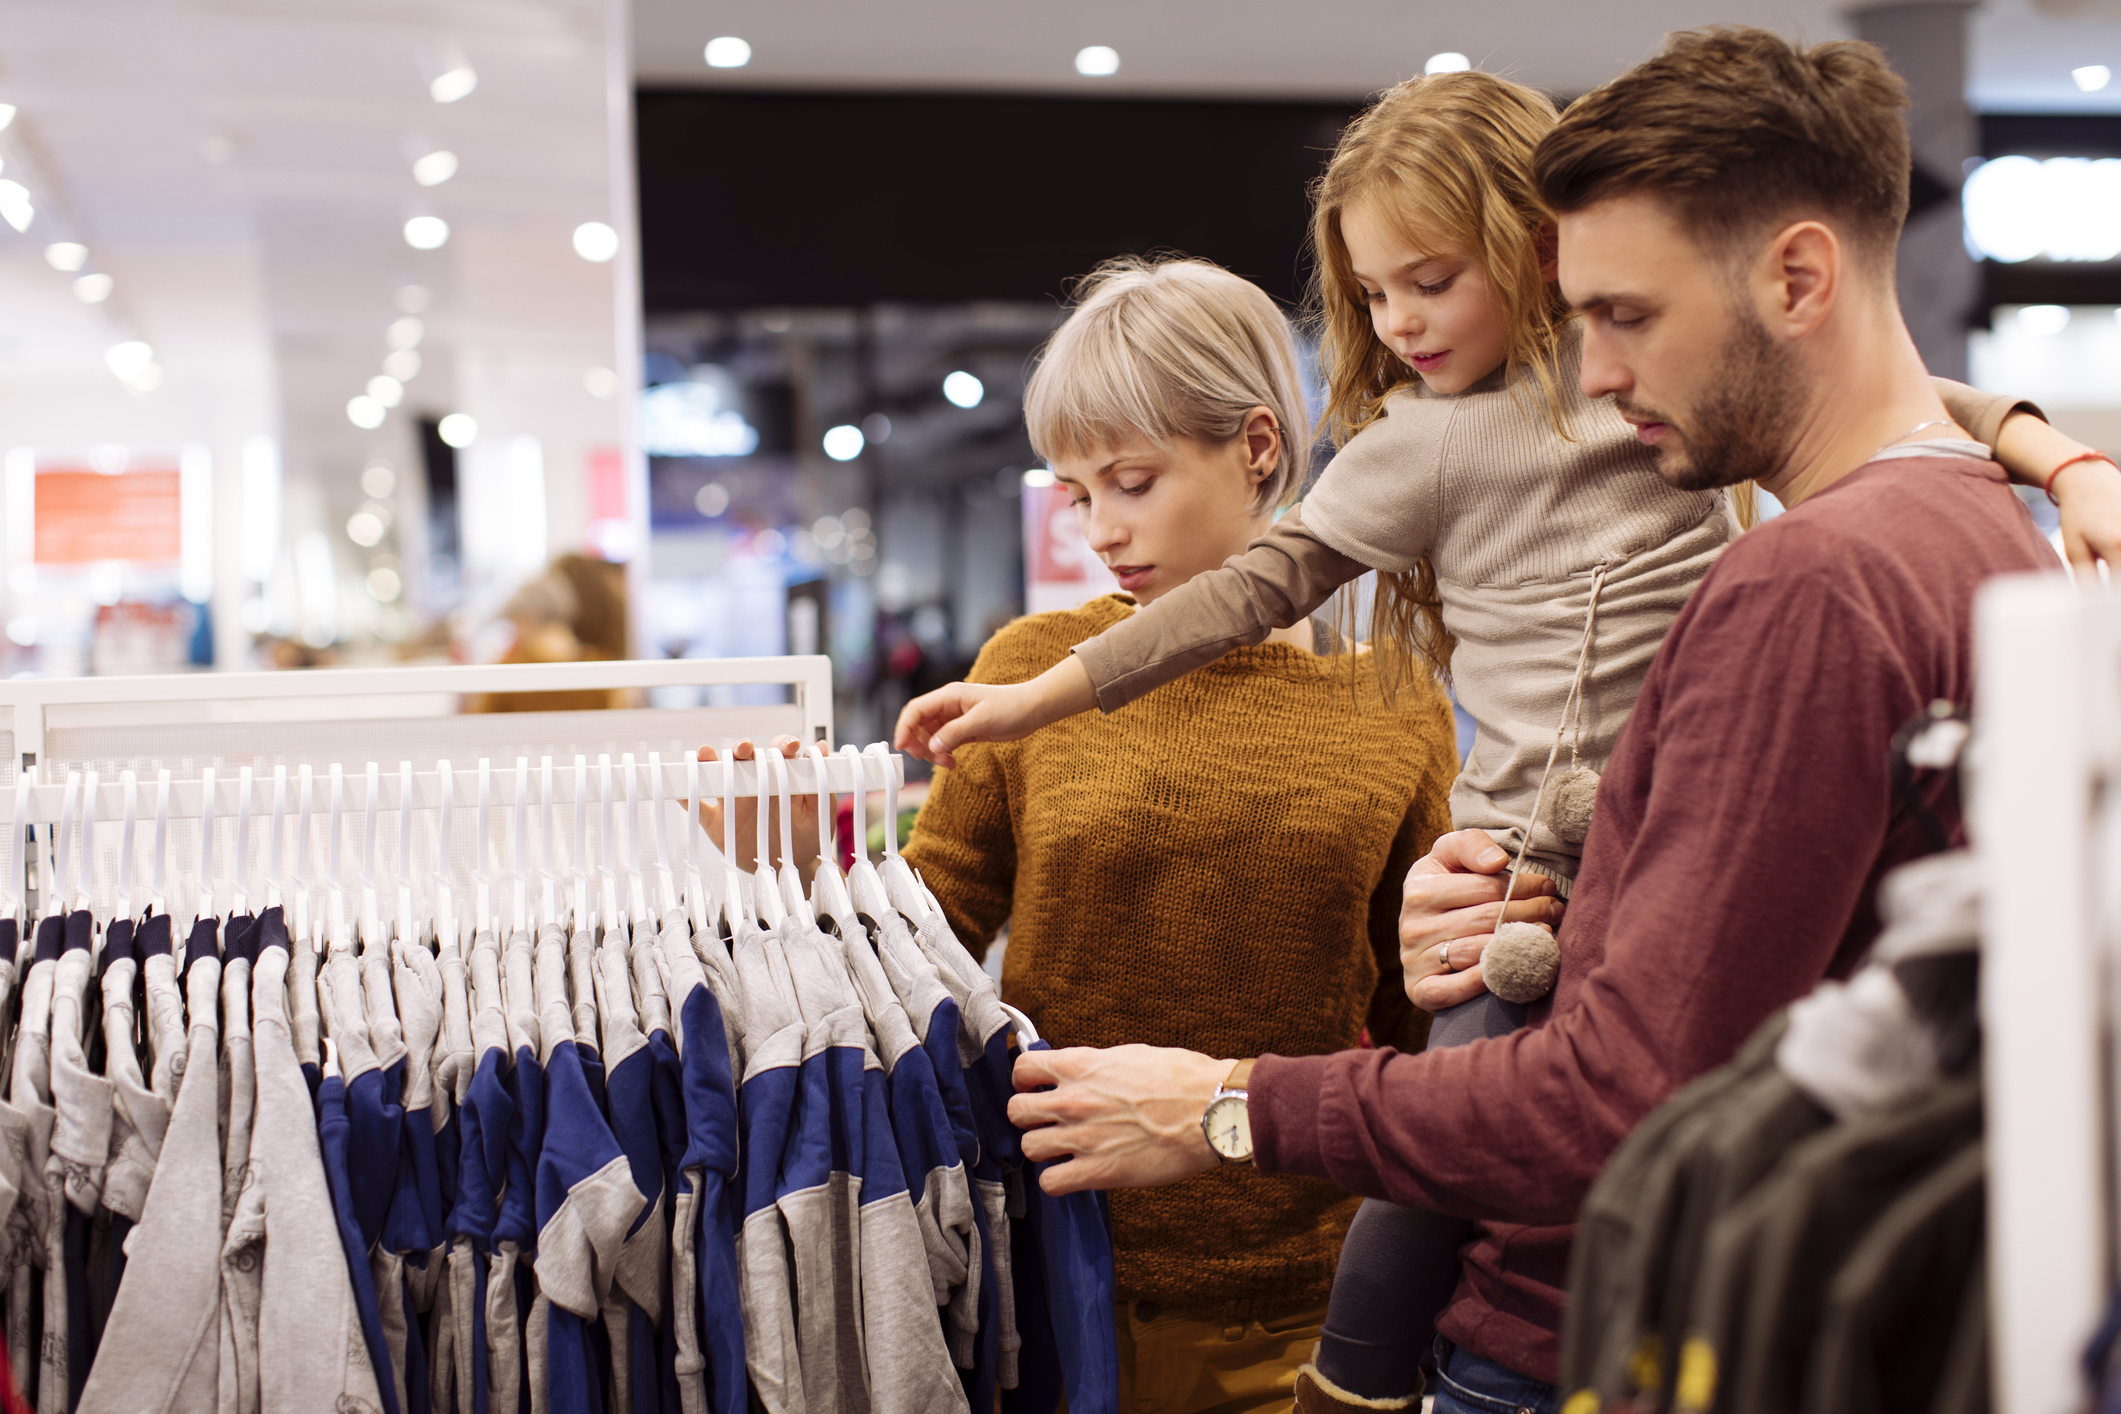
[(1443, 950)]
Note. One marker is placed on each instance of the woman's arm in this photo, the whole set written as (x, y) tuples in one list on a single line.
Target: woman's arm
[(2089, 492), (1278, 581)]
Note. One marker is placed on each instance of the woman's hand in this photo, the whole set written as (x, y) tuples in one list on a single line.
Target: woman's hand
[(936, 723), (2090, 491), (1451, 907), (743, 849)]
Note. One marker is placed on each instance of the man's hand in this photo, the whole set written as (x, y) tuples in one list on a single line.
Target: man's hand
[(936, 723), (1451, 907), (742, 843), (1130, 1116), (2090, 491)]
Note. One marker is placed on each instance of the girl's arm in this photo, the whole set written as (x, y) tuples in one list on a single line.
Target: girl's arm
[(1285, 575), (2089, 492)]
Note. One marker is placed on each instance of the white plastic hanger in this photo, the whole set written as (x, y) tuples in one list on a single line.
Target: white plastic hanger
[(158, 901), (273, 897), (864, 884), (765, 885), (130, 788), (829, 886), (636, 882), (900, 886), (665, 881), (791, 878), (697, 905), (59, 885), (607, 849), (335, 863), (445, 893), (305, 901), (581, 844), (206, 843), (735, 904), (482, 876), (406, 928), (240, 904), (519, 849), (549, 909), (371, 912), (16, 873), (84, 900)]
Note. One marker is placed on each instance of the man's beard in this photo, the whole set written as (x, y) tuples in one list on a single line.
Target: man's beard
[(1744, 428)]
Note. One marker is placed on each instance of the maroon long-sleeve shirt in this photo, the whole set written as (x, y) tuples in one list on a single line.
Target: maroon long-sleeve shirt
[(1742, 825)]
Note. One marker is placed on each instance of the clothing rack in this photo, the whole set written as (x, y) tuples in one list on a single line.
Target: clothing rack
[(2046, 815)]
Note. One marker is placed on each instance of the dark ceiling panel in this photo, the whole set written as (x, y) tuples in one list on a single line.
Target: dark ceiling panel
[(792, 199)]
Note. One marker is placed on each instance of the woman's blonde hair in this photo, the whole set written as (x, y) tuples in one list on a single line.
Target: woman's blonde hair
[(1170, 347), (1447, 157)]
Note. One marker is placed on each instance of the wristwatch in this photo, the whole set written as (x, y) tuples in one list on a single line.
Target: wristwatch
[(1227, 1123)]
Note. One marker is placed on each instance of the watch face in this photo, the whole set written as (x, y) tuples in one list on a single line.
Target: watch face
[(1229, 1126)]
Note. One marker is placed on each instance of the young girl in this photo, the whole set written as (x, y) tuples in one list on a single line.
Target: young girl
[(1526, 547)]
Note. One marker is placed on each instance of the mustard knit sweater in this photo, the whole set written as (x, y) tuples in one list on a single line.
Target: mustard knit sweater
[(1216, 866)]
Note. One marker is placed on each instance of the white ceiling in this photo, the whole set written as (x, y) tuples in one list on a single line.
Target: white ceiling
[(2022, 54)]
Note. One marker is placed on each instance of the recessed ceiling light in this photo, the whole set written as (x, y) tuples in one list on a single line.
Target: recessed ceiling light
[(15, 206), (727, 52), (402, 364), (2043, 319), (405, 333), (1448, 62), (93, 289), (2092, 77), (963, 389), (7, 114), (600, 382), (844, 443), (365, 412), (1097, 61), (435, 168), (458, 429), (1038, 476), (453, 84), (364, 529), (595, 241), (426, 233), (386, 390), (66, 255), (378, 480)]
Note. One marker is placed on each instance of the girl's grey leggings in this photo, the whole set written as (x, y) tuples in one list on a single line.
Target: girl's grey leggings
[(1399, 1266)]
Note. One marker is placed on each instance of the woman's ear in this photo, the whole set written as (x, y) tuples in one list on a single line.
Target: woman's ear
[(1262, 434), (1548, 244)]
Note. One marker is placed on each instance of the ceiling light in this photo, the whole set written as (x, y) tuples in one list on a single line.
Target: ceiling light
[(386, 390), (402, 364), (405, 333), (2064, 208), (1448, 62), (844, 443), (2092, 77), (365, 412), (727, 52), (593, 240), (378, 480), (453, 84), (963, 389), (66, 255), (435, 168), (93, 289), (364, 529), (1038, 476), (712, 500), (7, 114), (15, 206), (458, 429), (384, 584), (426, 233), (134, 364), (2043, 319), (1098, 61), (600, 382)]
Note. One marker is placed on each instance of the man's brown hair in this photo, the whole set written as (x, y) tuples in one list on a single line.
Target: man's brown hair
[(1741, 131)]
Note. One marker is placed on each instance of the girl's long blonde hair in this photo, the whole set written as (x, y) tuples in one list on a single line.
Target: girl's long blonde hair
[(1448, 157)]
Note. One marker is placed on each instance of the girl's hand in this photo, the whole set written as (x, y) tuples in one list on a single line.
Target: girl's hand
[(2090, 491), (743, 849), (1451, 907), (936, 723)]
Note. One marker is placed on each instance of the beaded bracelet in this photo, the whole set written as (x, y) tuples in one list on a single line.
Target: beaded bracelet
[(2068, 462)]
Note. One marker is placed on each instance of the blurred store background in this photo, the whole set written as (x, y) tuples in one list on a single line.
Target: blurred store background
[(346, 333)]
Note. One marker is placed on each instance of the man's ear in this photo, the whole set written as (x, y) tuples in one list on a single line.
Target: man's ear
[(1262, 436), (1799, 278)]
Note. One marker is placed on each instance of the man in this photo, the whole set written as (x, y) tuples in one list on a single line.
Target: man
[(1729, 213)]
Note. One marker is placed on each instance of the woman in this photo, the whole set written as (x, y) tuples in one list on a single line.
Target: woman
[(1218, 866)]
